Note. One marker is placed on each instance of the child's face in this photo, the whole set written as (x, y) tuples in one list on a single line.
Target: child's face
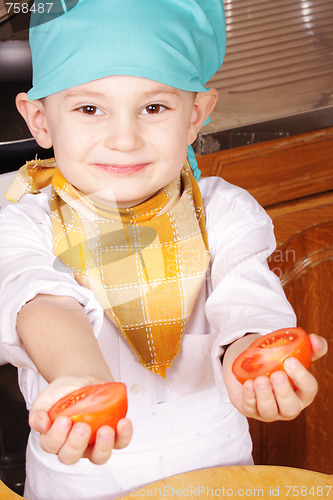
[(126, 133)]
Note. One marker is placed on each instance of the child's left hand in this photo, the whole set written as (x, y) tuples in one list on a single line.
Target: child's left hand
[(273, 398)]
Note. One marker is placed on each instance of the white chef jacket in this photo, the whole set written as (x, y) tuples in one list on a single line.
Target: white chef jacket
[(185, 421)]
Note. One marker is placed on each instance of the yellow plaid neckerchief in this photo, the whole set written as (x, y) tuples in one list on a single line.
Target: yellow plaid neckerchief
[(145, 264)]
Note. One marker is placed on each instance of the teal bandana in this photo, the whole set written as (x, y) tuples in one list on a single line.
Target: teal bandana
[(180, 43)]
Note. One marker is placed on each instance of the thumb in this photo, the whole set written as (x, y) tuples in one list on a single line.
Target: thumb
[(319, 346)]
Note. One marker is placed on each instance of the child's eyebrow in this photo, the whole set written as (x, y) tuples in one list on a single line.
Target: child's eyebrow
[(158, 91), (84, 93), (161, 91)]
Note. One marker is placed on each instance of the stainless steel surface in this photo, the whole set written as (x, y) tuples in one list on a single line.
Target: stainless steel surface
[(278, 64), (15, 61)]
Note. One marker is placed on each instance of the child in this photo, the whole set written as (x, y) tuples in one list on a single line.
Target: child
[(119, 266)]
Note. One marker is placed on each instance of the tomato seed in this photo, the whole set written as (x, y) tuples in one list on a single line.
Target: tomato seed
[(280, 340)]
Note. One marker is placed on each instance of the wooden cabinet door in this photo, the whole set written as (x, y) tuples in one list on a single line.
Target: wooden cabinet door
[(292, 178), (305, 267)]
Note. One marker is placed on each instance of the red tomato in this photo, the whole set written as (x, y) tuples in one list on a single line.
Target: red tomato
[(97, 405), (268, 353)]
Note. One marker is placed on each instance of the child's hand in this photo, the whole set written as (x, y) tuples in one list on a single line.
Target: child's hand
[(71, 443), (274, 398)]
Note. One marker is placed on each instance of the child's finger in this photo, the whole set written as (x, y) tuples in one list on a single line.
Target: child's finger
[(266, 403), (76, 443), (124, 433), (305, 383), (319, 346), (249, 399), (39, 421), (287, 400), (102, 450), (55, 437)]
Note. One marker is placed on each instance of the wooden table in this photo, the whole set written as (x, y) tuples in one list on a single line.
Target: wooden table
[(249, 482), (7, 494)]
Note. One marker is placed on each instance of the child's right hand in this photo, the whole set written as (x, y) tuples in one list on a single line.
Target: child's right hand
[(69, 442)]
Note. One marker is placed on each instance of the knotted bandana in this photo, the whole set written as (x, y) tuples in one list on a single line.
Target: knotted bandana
[(145, 264)]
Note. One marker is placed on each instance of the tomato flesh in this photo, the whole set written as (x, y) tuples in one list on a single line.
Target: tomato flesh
[(96, 405), (268, 353)]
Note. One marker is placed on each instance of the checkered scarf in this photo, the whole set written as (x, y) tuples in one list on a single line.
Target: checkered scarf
[(145, 264)]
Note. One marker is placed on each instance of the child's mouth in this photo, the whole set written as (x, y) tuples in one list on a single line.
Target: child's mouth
[(122, 169)]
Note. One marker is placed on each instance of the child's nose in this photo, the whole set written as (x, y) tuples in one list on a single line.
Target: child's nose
[(124, 135)]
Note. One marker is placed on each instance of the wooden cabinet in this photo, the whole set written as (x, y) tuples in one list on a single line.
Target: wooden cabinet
[(292, 178)]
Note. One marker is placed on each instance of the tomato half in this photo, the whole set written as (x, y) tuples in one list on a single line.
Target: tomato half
[(97, 405), (268, 353)]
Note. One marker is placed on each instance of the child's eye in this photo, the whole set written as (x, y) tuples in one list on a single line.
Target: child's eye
[(153, 109), (90, 110)]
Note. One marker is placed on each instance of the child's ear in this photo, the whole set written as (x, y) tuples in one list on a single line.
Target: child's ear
[(33, 113), (204, 104)]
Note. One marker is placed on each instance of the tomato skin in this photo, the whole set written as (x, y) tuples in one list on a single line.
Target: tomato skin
[(267, 354), (96, 405)]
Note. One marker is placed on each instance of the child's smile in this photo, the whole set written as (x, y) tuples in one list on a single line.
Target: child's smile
[(123, 169), (127, 134)]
